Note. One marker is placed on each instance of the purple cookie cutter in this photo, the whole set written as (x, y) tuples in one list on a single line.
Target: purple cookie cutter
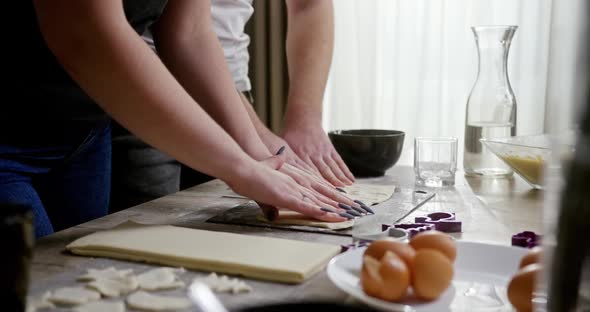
[(443, 221), (526, 239), (411, 228)]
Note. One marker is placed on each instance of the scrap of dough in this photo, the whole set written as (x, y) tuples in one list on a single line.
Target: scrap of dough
[(144, 301), (110, 273), (288, 217), (42, 302), (73, 296), (266, 258), (370, 194), (160, 278), (102, 306), (224, 284), (114, 287)]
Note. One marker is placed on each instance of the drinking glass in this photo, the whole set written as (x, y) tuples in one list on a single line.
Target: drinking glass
[(435, 161)]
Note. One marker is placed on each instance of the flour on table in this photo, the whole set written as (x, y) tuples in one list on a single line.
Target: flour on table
[(160, 278), (144, 301), (41, 302), (73, 296), (224, 284), (101, 306), (108, 273), (114, 287)]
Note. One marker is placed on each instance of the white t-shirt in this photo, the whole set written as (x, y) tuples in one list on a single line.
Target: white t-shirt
[(229, 19)]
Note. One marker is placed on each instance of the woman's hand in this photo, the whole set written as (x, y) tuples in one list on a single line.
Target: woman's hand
[(325, 192), (271, 188)]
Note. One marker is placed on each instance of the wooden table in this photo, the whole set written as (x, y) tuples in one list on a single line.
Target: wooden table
[(491, 210)]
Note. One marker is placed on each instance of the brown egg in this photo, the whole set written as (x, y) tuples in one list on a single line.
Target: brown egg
[(435, 240), (432, 273), (378, 248), (371, 280), (387, 279), (520, 288), (533, 256)]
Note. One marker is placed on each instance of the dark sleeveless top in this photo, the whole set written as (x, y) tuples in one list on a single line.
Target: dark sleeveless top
[(38, 89)]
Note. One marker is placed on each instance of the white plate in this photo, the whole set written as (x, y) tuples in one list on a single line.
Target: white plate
[(482, 273)]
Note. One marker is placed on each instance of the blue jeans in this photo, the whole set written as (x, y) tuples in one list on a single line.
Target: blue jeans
[(63, 173)]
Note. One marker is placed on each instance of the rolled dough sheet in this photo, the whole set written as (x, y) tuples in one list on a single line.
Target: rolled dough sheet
[(266, 258), (369, 194)]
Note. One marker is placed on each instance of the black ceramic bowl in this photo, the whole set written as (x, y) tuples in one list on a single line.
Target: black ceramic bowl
[(368, 152)]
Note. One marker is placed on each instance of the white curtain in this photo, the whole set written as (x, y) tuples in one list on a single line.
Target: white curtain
[(410, 64)]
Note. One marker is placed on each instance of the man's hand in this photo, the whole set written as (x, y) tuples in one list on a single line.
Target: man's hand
[(313, 146)]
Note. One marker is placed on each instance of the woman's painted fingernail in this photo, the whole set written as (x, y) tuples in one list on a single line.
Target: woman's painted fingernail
[(339, 189), (327, 209), (346, 215), (364, 206), (281, 150), (359, 210), (354, 213), (344, 206)]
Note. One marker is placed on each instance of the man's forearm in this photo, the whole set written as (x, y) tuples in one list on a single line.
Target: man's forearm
[(270, 139), (309, 54)]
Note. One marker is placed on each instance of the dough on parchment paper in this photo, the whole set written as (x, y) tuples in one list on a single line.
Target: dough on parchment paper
[(160, 278), (41, 302), (144, 301), (224, 284), (101, 306), (369, 194), (289, 217), (109, 273), (73, 296), (114, 287)]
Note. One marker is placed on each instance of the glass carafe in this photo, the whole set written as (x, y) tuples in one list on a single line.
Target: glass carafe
[(491, 106)]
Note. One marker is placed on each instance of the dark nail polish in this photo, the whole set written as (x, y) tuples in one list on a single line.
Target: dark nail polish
[(344, 206), (354, 213), (346, 215), (364, 206), (281, 150), (339, 189), (327, 209), (359, 210)]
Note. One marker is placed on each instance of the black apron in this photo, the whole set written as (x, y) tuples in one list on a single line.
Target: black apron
[(39, 92)]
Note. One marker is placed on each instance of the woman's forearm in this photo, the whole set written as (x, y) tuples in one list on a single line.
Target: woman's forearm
[(193, 54), (115, 67)]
